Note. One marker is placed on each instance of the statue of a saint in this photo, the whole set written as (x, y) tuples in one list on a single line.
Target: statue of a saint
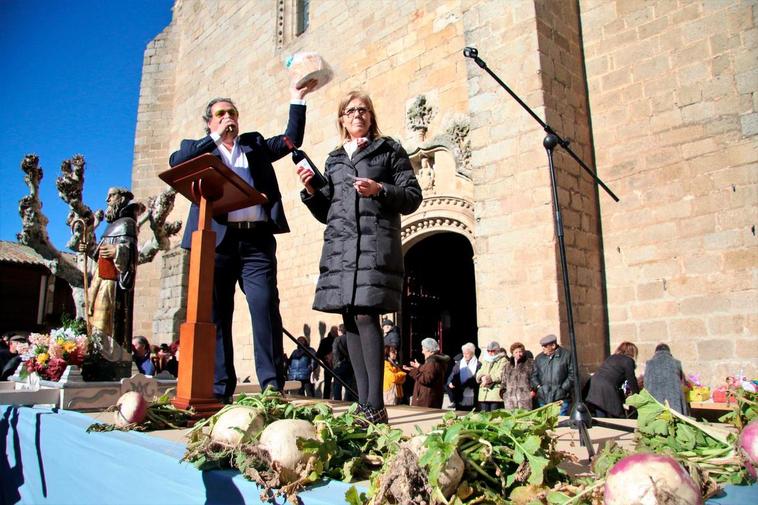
[(111, 293), (425, 174)]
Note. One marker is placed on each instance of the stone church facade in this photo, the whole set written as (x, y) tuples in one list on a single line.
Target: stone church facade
[(659, 95)]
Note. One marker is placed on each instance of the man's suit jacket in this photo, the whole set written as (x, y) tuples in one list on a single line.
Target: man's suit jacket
[(261, 153)]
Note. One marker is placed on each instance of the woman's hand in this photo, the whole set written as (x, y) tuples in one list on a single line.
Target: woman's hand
[(305, 177), (367, 187)]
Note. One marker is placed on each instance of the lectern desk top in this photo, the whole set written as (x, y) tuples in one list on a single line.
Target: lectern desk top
[(207, 176)]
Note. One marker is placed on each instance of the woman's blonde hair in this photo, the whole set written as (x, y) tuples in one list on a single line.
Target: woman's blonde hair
[(373, 130)]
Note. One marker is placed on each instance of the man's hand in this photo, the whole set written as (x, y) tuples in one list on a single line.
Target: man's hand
[(299, 93), (107, 251), (227, 128)]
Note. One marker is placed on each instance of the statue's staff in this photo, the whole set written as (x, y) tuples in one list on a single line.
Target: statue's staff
[(78, 225)]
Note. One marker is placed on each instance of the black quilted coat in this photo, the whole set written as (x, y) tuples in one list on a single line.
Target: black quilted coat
[(361, 267)]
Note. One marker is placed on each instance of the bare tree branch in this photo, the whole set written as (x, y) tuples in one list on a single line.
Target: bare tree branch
[(34, 233), (158, 210), (70, 186)]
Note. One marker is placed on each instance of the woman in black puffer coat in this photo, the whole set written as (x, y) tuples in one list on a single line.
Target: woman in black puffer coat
[(370, 183)]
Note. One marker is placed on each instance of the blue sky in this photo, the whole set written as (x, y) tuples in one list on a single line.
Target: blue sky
[(70, 82)]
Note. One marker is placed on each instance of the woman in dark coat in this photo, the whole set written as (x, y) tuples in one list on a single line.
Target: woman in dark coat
[(429, 378), (611, 382), (462, 387), (370, 183)]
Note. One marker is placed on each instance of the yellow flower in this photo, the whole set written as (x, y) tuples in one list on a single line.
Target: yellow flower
[(69, 346), (42, 358), (59, 341)]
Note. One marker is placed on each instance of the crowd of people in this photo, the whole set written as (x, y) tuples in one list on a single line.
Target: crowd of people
[(495, 378), (487, 379), (154, 359), (149, 359)]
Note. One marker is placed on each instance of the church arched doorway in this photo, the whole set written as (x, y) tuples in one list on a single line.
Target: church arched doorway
[(439, 297)]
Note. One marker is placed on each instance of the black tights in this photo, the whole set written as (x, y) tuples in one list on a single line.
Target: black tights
[(365, 345)]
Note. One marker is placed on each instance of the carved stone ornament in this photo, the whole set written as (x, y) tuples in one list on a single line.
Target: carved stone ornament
[(419, 116)]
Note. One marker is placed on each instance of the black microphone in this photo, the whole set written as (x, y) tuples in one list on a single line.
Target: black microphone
[(471, 52)]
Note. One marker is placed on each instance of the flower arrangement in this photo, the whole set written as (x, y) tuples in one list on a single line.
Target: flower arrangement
[(49, 354)]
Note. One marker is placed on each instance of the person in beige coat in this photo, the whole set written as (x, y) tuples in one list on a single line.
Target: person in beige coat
[(489, 377)]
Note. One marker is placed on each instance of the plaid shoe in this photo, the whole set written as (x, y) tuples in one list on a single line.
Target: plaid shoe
[(372, 415)]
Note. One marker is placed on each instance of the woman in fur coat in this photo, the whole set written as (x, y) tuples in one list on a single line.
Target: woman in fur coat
[(514, 384)]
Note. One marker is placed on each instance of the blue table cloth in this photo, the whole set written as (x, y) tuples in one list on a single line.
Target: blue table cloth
[(46, 457)]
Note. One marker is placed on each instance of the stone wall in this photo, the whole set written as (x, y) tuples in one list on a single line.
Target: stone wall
[(672, 90), (536, 49), (666, 112), (172, 301), (151, 145)]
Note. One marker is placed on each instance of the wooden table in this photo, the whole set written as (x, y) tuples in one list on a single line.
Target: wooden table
[(710, 411), (725, 407)]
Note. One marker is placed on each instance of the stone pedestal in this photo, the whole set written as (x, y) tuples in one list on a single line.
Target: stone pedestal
[(74, 393)]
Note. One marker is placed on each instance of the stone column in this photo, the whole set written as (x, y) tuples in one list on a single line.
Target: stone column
[(172, 302)]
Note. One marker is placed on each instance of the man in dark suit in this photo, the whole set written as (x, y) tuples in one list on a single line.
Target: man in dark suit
[(245, 243)]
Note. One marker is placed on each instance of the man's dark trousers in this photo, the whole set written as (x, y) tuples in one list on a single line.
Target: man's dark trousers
[(248, 257)]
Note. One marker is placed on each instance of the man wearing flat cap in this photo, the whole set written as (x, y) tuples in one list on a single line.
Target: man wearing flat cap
[(553, 374)]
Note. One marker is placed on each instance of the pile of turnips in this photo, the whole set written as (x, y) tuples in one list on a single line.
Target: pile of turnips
[(284, 446), (500, 457)]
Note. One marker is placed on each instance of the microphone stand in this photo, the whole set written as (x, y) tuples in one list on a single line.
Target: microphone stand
[(321, 362), (580, 417)]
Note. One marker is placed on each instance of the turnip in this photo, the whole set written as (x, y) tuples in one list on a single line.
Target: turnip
[(748, 444), (131, 407), (280, 440), (650, 479), (236, 424), (450, 475)]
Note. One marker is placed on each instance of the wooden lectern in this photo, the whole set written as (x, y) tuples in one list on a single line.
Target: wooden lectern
[(216, 189)]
